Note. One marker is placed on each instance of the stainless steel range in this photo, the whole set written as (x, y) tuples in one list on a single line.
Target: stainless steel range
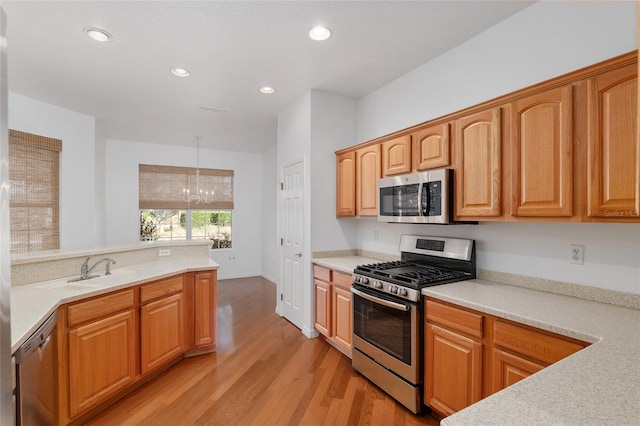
[(387, 311)]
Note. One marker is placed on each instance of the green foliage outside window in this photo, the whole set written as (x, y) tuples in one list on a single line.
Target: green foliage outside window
[(215, 225)]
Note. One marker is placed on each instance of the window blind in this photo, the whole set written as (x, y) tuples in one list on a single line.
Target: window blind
[(34, 175), (160, 187)]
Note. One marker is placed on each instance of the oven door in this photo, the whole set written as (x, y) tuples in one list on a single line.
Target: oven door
[(387, 330)]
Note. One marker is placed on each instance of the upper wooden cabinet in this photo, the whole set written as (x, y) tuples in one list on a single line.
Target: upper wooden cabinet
[(431, 147), (478, 172), (346, 184), (613, 146), (367, 175), (396, 156), (567, 149), (542, 154)]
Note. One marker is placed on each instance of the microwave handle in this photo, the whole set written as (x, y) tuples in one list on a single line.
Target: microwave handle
[(421, 193)]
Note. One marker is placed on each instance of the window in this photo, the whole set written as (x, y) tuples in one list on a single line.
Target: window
[(34, 175), (214, 225), (165, 215)]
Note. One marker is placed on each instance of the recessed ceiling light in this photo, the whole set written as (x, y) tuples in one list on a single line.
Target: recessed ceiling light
[(97, 34), (180, 72), (319, 33), (267, 90)]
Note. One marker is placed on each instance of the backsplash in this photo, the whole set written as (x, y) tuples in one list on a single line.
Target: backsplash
[(29, 270)]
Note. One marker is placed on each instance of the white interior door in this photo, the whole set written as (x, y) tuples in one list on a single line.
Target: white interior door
[(292, 242)]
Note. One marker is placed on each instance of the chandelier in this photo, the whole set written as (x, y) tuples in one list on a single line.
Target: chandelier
[(200, 196)]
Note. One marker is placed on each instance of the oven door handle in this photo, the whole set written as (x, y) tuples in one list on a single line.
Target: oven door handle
[(388, 304)]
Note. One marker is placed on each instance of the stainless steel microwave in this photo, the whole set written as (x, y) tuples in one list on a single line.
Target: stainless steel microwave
[(424, 197)]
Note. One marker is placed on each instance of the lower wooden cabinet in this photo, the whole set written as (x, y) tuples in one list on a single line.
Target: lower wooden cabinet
[(470, 355), (342, 309), (110, 342), (453, 357), (205, 305), (323, 307), (102, 360), (161, 332), (454, 365), (334, 309), (509, 369)]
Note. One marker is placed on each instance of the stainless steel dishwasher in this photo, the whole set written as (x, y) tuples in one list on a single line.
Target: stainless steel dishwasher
[(36, 376)]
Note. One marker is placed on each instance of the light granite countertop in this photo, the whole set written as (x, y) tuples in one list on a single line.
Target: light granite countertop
[(32, 304), (344, 264), (595, 386)]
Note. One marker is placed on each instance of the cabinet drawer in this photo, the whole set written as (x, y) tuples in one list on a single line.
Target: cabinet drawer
[(342, 280), (542, 347), (457, 319), (321, 273), (99, 307), (161, 288)]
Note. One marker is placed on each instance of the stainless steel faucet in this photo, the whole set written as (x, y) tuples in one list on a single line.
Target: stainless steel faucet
[(85, 270)]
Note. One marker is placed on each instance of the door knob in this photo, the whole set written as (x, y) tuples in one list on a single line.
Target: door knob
[(298, 254)]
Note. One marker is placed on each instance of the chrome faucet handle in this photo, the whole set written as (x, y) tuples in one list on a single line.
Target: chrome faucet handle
[(84, 269), (109, 262)]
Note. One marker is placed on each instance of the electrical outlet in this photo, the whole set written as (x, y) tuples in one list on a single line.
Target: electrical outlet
[(577, 254), (164, 252)]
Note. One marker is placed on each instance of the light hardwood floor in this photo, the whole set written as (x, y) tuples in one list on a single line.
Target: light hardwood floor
[(265, 372)]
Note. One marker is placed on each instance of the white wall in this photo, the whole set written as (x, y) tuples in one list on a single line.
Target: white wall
[(333, 126), (270, 189), (545, 40), (294, 145), (100, 185), (123, 157), (77, 164)]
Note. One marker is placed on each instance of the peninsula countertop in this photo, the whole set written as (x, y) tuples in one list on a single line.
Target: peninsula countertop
[(32, 304), (596, 385)]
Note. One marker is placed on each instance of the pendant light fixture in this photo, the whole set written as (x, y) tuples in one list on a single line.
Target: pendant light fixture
[(200, 196)]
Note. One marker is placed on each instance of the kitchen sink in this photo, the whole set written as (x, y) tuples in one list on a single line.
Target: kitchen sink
[(94, 281)]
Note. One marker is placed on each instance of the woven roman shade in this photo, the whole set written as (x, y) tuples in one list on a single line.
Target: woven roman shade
[(34, 175), (160, 187)]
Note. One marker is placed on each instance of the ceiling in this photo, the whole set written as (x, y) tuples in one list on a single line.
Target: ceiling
[(232, 48)]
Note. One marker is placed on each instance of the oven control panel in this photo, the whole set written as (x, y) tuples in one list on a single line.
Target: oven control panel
[(386, 287)]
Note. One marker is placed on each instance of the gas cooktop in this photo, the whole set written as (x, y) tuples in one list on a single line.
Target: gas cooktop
[(410, 274), (425, 261)]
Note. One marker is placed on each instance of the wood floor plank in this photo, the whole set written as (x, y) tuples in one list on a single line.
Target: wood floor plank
[(264, 372)]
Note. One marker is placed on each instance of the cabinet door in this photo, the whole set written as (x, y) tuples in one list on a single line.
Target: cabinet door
[(396, 156), (367, 175), (431, 147), (102, 360), (205, 297), (161, 331), (478, 178), (346, 184), (342, 317), (509, 369), (453, 370), (613, 146), (542, 154), (323, 307)]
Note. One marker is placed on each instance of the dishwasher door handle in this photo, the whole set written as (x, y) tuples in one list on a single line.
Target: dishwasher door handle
[(45, 342)]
